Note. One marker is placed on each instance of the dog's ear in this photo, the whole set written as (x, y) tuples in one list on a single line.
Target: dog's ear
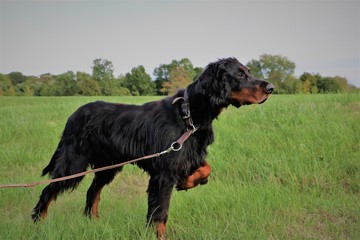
[(213, 83)]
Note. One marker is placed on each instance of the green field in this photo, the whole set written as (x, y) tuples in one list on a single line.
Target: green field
[(287, 169)]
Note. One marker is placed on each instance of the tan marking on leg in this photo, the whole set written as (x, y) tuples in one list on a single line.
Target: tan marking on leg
[(43, 213), (95, 206), (161, 230)]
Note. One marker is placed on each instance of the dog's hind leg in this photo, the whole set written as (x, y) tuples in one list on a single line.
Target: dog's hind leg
[(61, 167), (93, 194), (49, 194)]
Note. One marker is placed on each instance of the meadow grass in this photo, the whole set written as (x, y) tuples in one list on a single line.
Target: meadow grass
[(287, 169)]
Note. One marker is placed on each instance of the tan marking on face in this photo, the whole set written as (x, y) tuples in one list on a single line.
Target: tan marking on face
[(250, 95)]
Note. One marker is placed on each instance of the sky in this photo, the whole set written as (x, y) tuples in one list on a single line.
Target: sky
[(319, 36)]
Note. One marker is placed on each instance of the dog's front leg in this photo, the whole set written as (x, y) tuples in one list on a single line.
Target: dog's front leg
[(159, 194), (200, 176)]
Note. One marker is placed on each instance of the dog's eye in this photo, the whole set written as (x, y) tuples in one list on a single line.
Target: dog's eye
[(241, 75)]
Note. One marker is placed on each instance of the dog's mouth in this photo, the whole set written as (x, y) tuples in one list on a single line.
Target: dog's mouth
[(248, 96), (239, 104), (264, 100)]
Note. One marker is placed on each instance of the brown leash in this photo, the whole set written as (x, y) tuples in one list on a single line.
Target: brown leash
[(175, 146)]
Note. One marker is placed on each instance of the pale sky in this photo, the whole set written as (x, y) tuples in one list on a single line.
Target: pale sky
[(39, 37)]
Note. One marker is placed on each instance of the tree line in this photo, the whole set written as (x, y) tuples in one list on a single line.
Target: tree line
[(168, 78)]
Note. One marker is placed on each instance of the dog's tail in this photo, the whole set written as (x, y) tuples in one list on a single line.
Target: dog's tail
[(70, 157), (65, 162), (67, 159), (50, 167)]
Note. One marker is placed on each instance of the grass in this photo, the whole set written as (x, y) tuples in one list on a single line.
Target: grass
[(287, 169)]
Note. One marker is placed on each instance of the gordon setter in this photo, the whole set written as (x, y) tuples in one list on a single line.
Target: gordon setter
[(99, 134)]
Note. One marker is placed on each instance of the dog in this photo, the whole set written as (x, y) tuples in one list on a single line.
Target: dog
[(99, 134)]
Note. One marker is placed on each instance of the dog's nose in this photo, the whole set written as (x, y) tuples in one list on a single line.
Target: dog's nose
[(269, 88)]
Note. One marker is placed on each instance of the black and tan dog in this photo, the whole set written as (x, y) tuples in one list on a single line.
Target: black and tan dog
[(99, 134)]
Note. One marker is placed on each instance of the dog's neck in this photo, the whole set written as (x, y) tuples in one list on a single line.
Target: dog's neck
[(200, 108)]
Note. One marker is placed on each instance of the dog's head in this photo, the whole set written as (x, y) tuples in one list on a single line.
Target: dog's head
[(227, 81)]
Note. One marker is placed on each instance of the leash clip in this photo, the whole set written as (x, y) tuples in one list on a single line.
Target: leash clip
[(170, 149)]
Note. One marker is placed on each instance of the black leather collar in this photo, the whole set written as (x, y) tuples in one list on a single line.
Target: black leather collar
[(185, 111)]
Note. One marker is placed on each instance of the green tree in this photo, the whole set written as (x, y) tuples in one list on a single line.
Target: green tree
[(6, 87), (47, 81), (103, 74), (162, 73), (64, 85), (255, 68), (34, 86), (86, 85), (342, 83), (276, 69), (310, 82), (307, 86), (179, 78), (332, 84), (17, 77), (290, 85), (25, 89), (139, 82)]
